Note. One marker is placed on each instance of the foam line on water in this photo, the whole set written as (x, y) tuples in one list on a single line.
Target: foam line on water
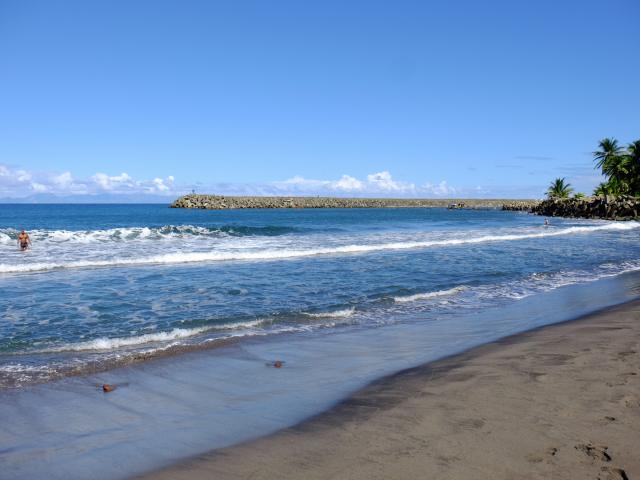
[(279, 254), (344, 313), (124, 234), (105, 343), (428, 295), (536, 283)]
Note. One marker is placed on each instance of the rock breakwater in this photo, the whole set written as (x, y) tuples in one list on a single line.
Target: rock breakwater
[(519, 205), (220, 202), (606, 207)]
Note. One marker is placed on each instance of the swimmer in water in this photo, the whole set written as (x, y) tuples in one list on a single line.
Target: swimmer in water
[(24, 241), (546, 222)]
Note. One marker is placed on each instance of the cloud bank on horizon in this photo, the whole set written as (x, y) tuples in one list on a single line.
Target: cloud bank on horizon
[(381, 183), (18, 183)]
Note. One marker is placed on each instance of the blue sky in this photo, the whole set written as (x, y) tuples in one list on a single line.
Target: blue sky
[(405, 98)]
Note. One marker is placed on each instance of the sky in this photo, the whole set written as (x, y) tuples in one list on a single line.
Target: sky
[(359, 98)]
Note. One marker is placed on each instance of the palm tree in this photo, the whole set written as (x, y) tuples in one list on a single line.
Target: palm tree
[(619, 172), (609, 149), (559, 189), (610, 187), (601, 190), (633, 149), (620, 166), (633, 165)]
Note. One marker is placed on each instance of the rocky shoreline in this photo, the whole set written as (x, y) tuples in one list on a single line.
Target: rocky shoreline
[(220, 202), (607, 207), (519, 205)]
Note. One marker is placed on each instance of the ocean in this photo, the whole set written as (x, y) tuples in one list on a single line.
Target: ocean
[(185, 310)]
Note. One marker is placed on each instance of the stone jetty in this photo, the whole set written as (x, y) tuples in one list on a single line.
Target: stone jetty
[(220, 202), (519, 205), (608, 207)]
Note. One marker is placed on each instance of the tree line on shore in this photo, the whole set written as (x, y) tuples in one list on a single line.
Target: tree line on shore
[(619, 165)]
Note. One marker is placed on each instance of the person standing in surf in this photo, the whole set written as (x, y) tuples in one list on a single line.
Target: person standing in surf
[(24, 241)]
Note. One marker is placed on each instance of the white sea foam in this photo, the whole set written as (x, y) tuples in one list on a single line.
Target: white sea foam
[(544, 282), (105, 343), (112, 343), (344, 313), (115, 234), (428, 295), (18, 367), (128, 234), (267, 254)]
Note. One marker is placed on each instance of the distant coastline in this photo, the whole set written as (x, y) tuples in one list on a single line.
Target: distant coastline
[(221, 202)]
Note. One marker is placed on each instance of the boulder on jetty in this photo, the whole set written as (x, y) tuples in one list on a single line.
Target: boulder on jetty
[(621, 207), (520, 205), (456, 206), (220, 202)]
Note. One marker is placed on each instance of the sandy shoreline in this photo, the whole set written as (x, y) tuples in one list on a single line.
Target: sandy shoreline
[(562, 401)]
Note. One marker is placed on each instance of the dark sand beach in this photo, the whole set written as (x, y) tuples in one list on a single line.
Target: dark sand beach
[(562, 401)]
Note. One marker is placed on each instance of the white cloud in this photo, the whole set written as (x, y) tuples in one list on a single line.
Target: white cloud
[(17, 183), (348, 183), (23, 176), (38, 187), (440, 189), (63, 180), (297, 180), (163, 185), (115, 183), (380, 183)]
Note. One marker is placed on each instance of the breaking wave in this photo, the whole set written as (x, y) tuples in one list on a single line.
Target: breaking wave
[(146, 233), (268, 254), (428, 295), (105, 343), (344, 313)]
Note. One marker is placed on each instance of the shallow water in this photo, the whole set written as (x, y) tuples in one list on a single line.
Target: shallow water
[(175, 407)]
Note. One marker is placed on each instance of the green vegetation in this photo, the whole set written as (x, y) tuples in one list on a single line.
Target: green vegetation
[(559, 189), (620, 166)]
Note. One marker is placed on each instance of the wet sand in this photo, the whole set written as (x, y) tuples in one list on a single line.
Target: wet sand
[(562, 401)]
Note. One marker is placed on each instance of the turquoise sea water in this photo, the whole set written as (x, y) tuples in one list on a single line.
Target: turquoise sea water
[(183, 310)]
